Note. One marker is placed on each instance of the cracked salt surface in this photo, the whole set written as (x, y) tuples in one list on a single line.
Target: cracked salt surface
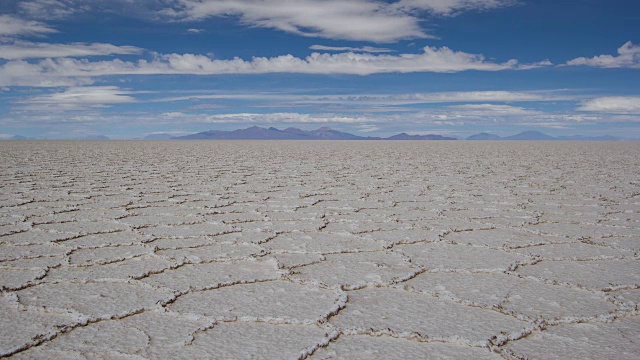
[(323, 250), (364, 347), (277, 301)]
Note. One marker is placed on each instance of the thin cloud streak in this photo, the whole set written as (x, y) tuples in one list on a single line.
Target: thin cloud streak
[(612, 104), (385, 99), (77, 98), (16, 50), (368, 49), (13, 26), (67, 70)]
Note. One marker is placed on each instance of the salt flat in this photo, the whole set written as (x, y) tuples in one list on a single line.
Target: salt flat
[(319, 250)]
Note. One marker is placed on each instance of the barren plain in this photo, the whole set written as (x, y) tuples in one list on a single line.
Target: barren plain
[(319, 250)]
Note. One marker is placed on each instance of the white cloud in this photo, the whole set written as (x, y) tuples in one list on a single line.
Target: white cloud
[(536, 65), (12, 26), (478, 96), (364, 102), (336, 19), (613, 104), (78, 98), (367, 20), (67, 70), (431, 60), (492, 110), (447, 7), (366, 128), (195, 31), (42, 74), (25, 50), (51, 9), (628, 57), (369, 49), (257, 118), (64, 9)]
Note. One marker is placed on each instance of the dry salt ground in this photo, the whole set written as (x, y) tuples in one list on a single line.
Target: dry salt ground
[(319, 250)]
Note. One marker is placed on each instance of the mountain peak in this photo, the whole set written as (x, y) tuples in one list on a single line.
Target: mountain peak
[(484, 136), (530, 135), (405, 136)]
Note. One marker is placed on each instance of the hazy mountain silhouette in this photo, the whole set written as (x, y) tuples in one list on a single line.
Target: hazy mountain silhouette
[(162, 136), (92, 137), (327, 133), (252, 133), (259, 133), (587, 138), (484, 136), (18, 137), (405, 136), (536, 135), (529, 135), (296, 131)]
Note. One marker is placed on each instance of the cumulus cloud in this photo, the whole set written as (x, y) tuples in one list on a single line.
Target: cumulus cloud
[(337, 19), (431, 60), (443, 60), (369, 49), (628, 57), (368, 20), (353, 20), (25, 50), (78, 98), (13, 26), (42, 74), (613, 104)]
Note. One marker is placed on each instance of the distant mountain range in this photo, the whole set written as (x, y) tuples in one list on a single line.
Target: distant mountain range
[(158, 137), (259, 133), (405, 136), (536, 135), (323, 133), (326, 133)]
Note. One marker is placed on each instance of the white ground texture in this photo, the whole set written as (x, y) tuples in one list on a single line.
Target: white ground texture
[(319, 250)]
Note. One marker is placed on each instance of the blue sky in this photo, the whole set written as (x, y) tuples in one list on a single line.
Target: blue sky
[(126, 69)]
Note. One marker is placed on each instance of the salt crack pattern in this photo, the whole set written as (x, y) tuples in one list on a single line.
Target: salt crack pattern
[(322, 250)]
